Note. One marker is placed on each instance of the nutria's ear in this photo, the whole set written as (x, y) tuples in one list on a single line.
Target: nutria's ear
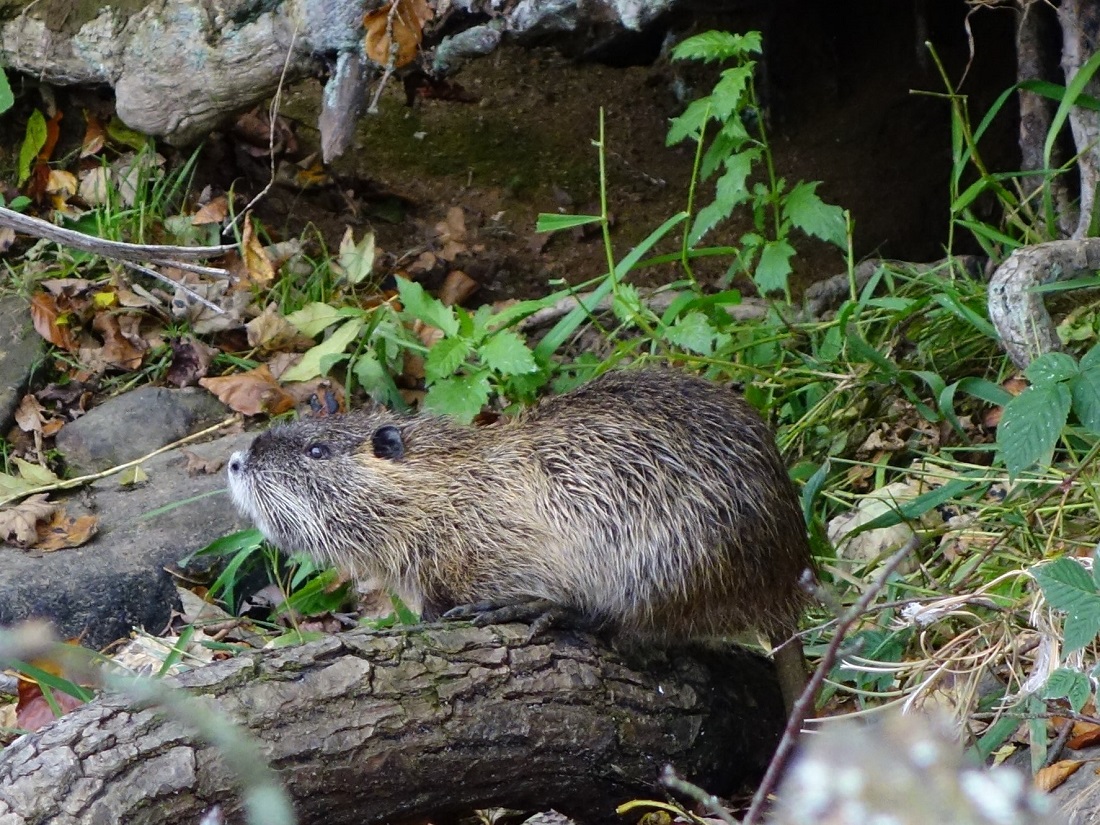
[(388, 443)]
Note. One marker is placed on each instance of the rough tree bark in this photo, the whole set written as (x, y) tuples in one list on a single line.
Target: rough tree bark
[(379, 727)]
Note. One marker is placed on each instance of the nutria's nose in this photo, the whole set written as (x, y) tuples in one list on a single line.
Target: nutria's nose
[(236, 462)]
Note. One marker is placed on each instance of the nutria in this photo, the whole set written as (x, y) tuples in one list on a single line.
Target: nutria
[(649, 502)]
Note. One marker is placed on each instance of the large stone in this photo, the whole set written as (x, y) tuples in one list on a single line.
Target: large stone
[(129, 426), (118, 580), (20, 348)]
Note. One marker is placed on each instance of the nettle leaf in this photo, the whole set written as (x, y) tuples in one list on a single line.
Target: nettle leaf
[(627, 303), (774, 266), (507, 353), (729, 92), (1030, 426), (711, 45), (1065, 683), (693, 332), (444, 358), (1051, 367), (729, 139), (804, 209), (423, 307), (730, 192), (461, 397), (690, 124), (1068, 587), (1085, 389)]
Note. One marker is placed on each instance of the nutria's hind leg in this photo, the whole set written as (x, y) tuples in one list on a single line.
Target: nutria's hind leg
[(541, 614)]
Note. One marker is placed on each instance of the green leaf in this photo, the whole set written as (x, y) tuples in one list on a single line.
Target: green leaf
[(804, 209), (1068, 587), (627, 303), (7, 99), (1085, 389), (33, 142), (357, 259), (423, 307), (728, 97), (312, 319), (444, 358), (1065, 683), (320, 359), (693, 332), (773, 267), (690, 124), (1030, 426), (728, 141), (552, 222), (374, 379), (717, 45), (1050, 368), (730, 192), (508, 354), (460, 397)]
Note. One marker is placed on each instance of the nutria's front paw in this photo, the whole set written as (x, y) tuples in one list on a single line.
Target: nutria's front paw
[(541, 614)]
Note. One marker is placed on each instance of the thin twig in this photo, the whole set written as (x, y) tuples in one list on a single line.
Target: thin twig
[(116, 250), (391, 59), (272, 114), (70, 483), (152, 273), (710, 803), (805, 701)]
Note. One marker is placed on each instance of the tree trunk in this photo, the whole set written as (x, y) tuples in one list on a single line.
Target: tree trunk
[(368, 727)]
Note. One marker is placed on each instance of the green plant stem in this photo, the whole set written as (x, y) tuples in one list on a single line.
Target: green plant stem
[(685, 257), (605, 223)]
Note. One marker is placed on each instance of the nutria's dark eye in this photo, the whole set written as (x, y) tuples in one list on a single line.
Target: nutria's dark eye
[(319, 450), (387, 443)]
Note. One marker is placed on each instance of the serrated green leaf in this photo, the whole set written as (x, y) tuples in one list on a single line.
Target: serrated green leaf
[(1065, 683), (508, 354), (692, 332), (1068, 587), (7, 99), (460, 397), (1085, 389), (728, 141), (805, 209), (1091, 358), (1030, 426), (423, 307), (717, 45), (690, 124), (627, 303), (320, 359), (729, 193), (312, 319), (727, 99), (1051, 367), (444, 358), (773, 267), (376, 382), (551, 222), (33, 141)]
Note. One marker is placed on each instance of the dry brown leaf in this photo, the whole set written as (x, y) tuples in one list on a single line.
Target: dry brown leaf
[(250, 393), (7, 238), (1050, 777), (215, 211), (29, 415), (95, 136), (457, 287), (452, 232), (405, 19), (18, 522), (197, 465), (63, 531), (1085, 735), (258, 267), (190, 361), (271, 332), (51, 323)]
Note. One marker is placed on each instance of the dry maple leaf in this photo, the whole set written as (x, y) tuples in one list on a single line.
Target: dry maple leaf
[(405, 19), (457, 287), (18, 523), (272, 332), (215, 211), (63, 531), (29, 415), (250, 393)]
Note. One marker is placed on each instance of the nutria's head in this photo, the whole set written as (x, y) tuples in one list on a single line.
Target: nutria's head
[(321, 485)]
